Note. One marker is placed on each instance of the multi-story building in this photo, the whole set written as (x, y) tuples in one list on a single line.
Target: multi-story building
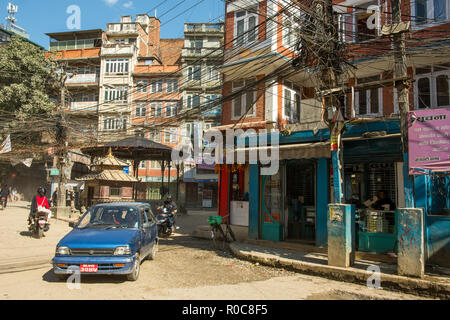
[(202, 95), (157, 104), (261, 40), (78, 52)]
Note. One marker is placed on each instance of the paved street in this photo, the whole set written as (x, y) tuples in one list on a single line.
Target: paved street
[(185, 268)]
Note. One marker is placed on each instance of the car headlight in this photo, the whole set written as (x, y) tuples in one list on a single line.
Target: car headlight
[(63, 251), (122, 251)]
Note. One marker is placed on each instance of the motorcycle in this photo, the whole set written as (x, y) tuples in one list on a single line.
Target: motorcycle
[(2, 203), (39, 225), (163, 223)]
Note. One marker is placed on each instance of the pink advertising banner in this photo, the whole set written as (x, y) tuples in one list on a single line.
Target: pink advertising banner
[(429, 141)]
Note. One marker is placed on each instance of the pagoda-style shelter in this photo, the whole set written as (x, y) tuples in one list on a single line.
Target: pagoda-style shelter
[(108, 182), (138, 149)]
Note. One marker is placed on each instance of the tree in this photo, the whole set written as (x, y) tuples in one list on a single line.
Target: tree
[(27, 84)]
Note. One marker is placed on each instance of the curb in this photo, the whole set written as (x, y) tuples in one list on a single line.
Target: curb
[(394, 282)]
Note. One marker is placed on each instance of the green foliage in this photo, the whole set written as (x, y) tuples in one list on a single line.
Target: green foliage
[(27, 80), (27, 83)]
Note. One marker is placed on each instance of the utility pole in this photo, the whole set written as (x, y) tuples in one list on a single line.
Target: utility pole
[(330, 65), (61, 142), (397, 31)]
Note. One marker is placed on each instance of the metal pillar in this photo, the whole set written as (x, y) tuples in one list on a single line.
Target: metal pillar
[(168, 179)]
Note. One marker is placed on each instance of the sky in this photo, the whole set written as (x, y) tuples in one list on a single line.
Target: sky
[(39, 17)]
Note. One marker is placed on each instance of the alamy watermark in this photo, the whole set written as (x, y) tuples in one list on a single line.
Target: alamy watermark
[(73, 22), (74, 280), (374, 280), (253, 148)]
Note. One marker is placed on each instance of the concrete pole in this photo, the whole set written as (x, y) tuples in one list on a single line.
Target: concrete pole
[(400, 72)]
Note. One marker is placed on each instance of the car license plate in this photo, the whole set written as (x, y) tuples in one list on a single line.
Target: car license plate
[(89, 268)]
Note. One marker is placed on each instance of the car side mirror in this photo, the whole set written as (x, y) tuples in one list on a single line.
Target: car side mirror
[(72, 225)]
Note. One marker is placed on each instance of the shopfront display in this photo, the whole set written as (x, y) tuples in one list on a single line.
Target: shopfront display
[(371, 188)]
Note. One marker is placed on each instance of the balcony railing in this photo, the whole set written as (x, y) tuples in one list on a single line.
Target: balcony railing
[(203, 28), (87, 106), (202, 52), (83, 79), (122, 28), (118, 50)]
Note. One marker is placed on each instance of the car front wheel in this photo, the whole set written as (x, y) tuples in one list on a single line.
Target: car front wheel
[(133, 276), (152, 254)]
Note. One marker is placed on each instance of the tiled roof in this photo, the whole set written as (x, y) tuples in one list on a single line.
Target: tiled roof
[(109, 175)]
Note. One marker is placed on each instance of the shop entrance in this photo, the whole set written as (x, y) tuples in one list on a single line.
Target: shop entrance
[(300, 179)]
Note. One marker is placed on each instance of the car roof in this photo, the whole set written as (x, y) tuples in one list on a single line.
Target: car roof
[(124, 204)]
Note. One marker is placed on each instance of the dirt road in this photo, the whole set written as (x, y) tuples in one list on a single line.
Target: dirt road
[(185, 268)]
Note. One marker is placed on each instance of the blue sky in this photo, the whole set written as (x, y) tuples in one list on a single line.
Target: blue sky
[(43, 16)]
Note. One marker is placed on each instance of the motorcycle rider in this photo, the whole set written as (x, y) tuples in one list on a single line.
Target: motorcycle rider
[(172, 208), (4, 195), (39, 200)]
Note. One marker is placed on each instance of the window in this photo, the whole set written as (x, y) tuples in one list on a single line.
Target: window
[(170, 136), (245, 29), (368, 101), (293, 21), (363, 24), (212, 74), (115, 192), (114, 124), (195, 73), (432, 87), (116, 95), (155, 136), (157, 86), (141, 111), (143, 165), (156, 109), (141, 86), (192, 101), (117, 66), (189, 131), (246, 100), (155, 165), (171, 109), (291, 105), (428, 12), (212, 100), (196, 46), (172, 85)]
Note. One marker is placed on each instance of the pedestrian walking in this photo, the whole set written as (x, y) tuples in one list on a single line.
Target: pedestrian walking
[(55, 198), (14, 195)]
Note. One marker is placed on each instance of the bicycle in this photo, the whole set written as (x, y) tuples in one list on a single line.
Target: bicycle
[(218, 233)]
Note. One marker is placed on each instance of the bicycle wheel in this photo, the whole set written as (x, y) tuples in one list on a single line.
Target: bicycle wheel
[(214, 237), (230, 235)]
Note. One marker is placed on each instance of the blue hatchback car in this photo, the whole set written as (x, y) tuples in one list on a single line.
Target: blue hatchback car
[(110, 239)]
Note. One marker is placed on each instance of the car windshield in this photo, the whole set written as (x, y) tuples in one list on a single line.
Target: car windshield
[(110, 217)]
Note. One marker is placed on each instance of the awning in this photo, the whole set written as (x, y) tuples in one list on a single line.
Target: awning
[(296, 151)]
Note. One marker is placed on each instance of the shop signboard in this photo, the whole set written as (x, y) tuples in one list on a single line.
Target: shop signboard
[(429, 141)]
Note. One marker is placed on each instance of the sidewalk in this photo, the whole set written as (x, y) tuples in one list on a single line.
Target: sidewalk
[(316, 263)]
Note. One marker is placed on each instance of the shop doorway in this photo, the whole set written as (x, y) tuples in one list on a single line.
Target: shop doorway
[(300, 179)]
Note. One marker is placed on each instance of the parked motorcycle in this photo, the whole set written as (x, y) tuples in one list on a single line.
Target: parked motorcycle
[(39, 225), (163, 222)]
